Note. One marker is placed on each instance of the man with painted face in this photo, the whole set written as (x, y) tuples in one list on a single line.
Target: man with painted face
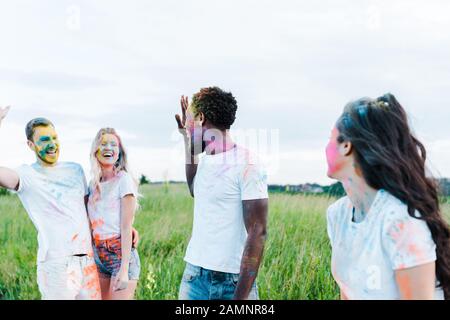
[(230, 202), (54, 194)]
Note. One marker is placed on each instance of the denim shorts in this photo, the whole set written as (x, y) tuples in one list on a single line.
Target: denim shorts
[(108, 257), (203, 284)]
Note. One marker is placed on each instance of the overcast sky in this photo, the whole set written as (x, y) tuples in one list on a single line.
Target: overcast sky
[(292, 66)]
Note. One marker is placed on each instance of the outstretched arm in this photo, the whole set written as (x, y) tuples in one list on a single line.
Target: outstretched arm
[(191, 160), (8, 178), (255, 219)]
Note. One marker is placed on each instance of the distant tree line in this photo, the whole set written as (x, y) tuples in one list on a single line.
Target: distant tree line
[(337, 190), (444, 187)]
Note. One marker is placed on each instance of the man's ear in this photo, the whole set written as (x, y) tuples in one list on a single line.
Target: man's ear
[(201, 118), (31, 145), (346, 148)]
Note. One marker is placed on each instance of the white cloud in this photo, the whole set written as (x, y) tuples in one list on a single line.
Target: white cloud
[(291, 64)]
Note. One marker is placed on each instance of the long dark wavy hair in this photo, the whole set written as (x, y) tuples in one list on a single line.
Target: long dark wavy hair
[(391, 158)]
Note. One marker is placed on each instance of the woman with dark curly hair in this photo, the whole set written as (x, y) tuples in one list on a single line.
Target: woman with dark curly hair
[(388, 238)]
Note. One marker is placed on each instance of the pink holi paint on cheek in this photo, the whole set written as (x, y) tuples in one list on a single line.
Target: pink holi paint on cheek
[(332, 157), (332, 154)]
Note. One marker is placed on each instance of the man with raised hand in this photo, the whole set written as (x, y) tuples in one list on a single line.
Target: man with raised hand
[(230, 202), (54, 194)]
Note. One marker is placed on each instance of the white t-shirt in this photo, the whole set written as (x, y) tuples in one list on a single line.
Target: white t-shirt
[(105, 212), (365, 255), (54, 199), (221, 183)]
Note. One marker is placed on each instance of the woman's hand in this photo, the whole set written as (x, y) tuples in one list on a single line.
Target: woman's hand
[(121, 280)]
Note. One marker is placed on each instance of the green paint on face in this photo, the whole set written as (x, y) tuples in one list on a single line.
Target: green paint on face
[(46, 145)]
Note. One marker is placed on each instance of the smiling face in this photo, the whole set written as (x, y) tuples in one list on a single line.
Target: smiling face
[(109, 150), (45, 144), (338, 155)]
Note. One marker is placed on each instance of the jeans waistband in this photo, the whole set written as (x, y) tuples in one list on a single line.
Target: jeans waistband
[(108, 243), (215, 275)]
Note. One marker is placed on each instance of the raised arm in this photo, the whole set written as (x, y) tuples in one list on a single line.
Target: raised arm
[(8, 178), (191, 160), (255, 219)]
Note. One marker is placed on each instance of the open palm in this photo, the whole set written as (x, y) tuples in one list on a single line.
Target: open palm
[(181, 120)]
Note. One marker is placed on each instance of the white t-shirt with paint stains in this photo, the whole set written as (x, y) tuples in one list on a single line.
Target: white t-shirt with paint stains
[(105, 213), (54, 199), (221, 183), (365, 255)]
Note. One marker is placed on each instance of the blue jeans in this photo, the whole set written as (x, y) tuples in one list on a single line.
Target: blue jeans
[(203, 284)]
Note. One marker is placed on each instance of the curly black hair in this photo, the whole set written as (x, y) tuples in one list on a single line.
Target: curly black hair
[(218, 106)]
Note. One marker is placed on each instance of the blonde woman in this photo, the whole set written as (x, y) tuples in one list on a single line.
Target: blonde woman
[(111, 208)]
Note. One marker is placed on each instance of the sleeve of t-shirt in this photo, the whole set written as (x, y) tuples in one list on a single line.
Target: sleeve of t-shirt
[(253, 182), (85, 185), (407, 240), (24, 178), (127, 185)]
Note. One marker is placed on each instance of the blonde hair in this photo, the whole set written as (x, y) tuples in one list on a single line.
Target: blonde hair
[(96, 170)]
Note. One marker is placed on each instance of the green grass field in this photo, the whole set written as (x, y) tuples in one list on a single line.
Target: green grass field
[(296, 260)]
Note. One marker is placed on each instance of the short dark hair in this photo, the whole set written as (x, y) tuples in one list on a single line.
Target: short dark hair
[(36, 122), (218, 106)]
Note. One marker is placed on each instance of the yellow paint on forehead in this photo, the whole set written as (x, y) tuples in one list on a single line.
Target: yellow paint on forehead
[(44, 131), (107, 137)]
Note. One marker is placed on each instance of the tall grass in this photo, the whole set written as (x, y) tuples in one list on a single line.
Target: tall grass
[(295, 266)]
